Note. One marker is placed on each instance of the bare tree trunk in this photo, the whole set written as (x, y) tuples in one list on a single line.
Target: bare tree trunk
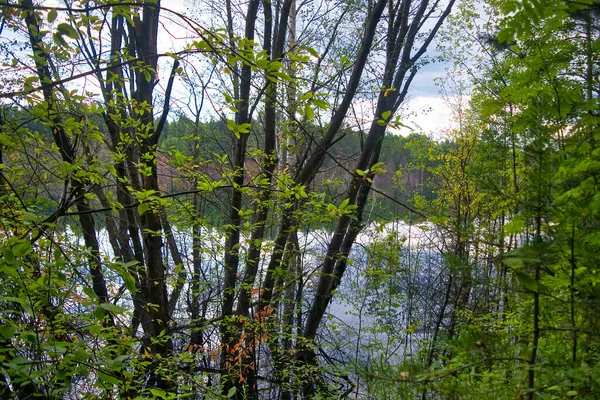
[(398, 74), (67, 152), (306, 174), (232, 241)]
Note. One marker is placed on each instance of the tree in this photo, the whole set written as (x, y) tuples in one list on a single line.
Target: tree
[(108, 176), (531, 106)]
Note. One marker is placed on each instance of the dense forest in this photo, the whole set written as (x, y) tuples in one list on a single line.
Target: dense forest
[(225, 200)]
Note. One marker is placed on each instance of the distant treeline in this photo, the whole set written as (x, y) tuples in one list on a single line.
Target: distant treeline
[(186, 144)]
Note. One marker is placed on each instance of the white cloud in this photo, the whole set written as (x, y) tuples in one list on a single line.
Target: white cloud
[(428, 114)]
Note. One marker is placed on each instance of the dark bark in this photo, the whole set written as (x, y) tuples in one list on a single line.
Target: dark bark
[(137, 236), (268, 164), (177, 263), (269, 161), (144, 44), (67, 151), (306, 174), (399, 73), (232, 241), (388, 101), (238, 160), (128, 233)]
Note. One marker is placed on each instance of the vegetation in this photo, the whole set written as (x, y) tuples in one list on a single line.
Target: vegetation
[(198, 205)]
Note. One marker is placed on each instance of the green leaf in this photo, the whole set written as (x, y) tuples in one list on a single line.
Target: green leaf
[(527, 281), (90, 293), (52, 14), (29, 81), (312, 51), (231, 392), (309, 112), (147, 75), (81, 356), (244, 128), (513, 262), (385, 115), (9, 256), (6, 332), (59, 40), (306, 96), (22, 249), (96, 136), (143, 207), (129, 281), (108, 379), (61, 374), (110, 307), (10, 271), (505, 35), (322, 104), (159, 393), (231, 125), (68, 30), (99, 313)]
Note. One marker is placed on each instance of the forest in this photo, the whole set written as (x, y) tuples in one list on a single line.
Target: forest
[(228, 200)]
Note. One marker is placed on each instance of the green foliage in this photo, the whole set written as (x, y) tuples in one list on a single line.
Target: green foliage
[(151, 253), (513, 188)]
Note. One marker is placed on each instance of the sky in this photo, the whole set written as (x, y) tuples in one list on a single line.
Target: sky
[(425, 109), (429, 114)]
